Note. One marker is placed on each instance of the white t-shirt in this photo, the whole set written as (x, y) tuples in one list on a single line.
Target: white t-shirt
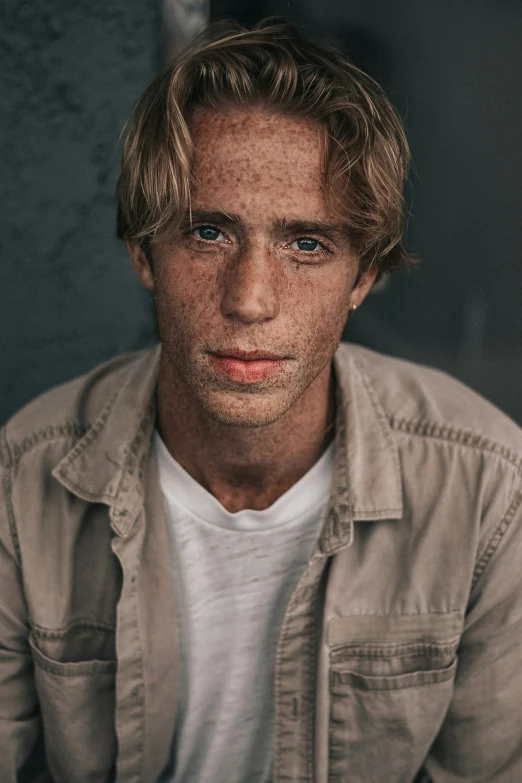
[(233, 574)]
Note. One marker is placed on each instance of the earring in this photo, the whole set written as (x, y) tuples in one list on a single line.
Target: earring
[(353, 308)]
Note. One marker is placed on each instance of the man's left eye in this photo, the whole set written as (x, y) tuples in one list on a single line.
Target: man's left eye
[(307, 244), (208, 233)]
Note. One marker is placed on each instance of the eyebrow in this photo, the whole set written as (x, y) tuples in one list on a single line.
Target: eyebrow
[(211, 216), (280, 226), (310, 227)]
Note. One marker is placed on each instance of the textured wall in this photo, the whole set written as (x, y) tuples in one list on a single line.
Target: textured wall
[(69, 74)]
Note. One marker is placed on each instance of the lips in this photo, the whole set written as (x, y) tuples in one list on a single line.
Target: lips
[(247, 366)]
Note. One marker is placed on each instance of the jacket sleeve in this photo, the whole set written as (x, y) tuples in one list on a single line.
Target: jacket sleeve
[(21, 749), (480, 740)]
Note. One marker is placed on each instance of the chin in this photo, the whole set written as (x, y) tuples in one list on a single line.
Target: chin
[(236, 411)]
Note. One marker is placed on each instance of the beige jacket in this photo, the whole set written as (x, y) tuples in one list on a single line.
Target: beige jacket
[(400, 655)]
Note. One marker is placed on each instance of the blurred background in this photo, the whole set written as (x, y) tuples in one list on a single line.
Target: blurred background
[(69, 75)]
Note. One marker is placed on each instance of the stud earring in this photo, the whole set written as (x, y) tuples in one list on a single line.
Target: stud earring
[(353, 308)]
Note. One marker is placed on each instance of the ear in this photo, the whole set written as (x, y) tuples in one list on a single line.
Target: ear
[(141, 263), (365, 282)]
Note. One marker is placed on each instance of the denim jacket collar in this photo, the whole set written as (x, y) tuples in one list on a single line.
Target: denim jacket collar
[(108, 464), (367, 481)]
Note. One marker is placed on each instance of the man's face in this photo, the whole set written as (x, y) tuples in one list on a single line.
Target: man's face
[(253, 294)]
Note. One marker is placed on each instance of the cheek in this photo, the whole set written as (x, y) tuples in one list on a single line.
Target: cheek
[(320, 309), (187, 295)]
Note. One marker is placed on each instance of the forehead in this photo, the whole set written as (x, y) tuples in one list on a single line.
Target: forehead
[(258, 160)]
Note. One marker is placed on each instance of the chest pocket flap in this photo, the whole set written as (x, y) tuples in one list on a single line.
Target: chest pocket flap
[(394, 629)]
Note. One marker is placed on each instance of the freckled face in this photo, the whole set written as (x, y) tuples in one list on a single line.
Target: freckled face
[(263, 272)]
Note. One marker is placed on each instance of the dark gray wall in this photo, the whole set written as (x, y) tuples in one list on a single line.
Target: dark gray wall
[(69, 74)]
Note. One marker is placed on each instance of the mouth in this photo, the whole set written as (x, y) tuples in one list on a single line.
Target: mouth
[(249, 356), (247, 366)]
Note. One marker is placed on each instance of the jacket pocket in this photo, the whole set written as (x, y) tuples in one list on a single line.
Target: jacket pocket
[(76, 691), (389, 691)]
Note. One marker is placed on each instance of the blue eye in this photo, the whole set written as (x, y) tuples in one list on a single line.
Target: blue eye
[(208, 233), (307, 244)]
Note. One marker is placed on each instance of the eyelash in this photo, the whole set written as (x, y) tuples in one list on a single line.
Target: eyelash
[(323, 247), (193, 229)]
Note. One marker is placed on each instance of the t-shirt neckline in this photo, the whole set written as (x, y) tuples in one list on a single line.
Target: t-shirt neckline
[(310, 491)]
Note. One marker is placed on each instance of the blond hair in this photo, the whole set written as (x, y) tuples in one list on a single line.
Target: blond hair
[(272, 67)]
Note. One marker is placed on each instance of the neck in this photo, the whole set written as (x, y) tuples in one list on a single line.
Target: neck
[(245, 467)]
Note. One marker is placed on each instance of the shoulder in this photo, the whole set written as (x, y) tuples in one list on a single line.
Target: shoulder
[(426, 402), (67, 411)]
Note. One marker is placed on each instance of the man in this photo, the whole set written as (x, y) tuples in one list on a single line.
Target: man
[(253, 555)]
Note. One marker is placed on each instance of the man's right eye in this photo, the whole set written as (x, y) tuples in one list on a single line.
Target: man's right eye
[(208, 233)]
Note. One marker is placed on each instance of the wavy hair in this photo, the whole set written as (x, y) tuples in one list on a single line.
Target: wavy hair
[(269, 66)]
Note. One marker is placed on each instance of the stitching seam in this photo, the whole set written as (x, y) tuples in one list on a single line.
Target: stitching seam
[(496, 539), (429, 429), (66, 430), (85, 625), (8, 494)]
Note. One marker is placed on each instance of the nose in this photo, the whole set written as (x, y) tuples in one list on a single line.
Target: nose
[(251, 286)]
